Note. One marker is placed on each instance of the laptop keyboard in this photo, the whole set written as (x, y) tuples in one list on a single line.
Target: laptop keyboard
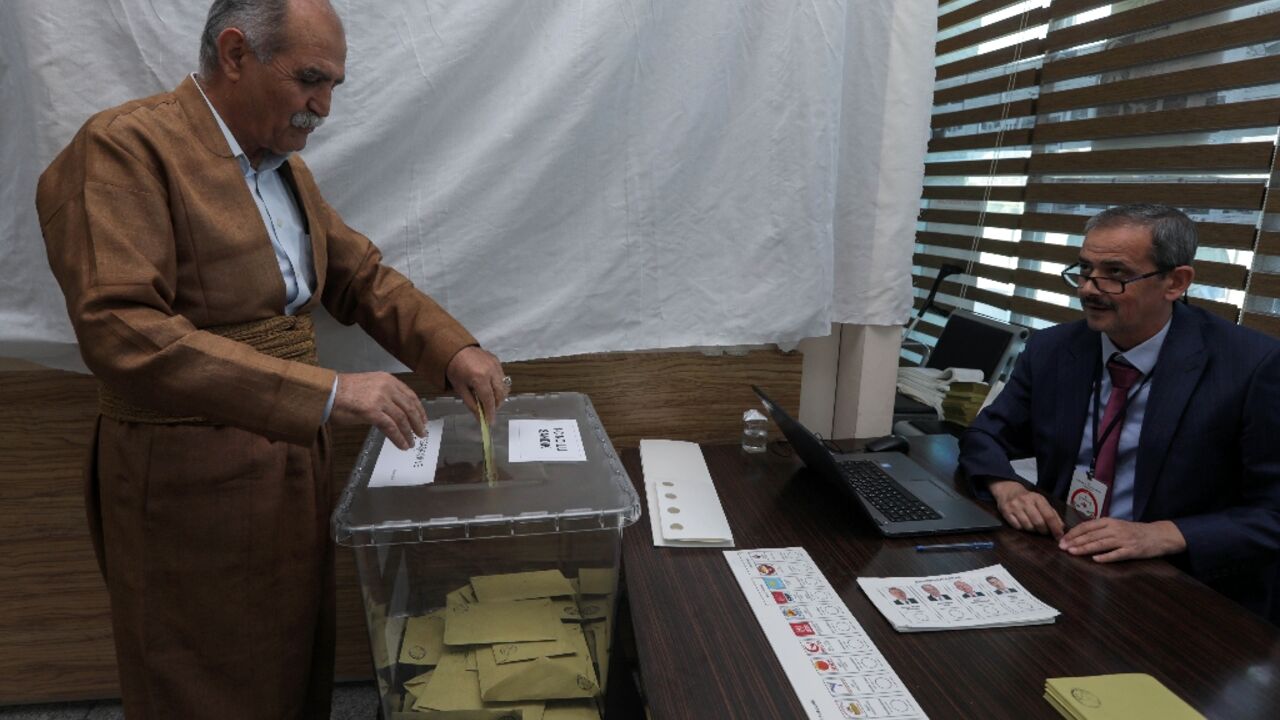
[(882, 491)]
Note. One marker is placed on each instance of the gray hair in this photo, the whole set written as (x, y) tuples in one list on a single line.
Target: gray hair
[(1173, 234), (261, 21)]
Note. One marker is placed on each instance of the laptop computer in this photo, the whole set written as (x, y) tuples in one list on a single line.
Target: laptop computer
[(899, 496)]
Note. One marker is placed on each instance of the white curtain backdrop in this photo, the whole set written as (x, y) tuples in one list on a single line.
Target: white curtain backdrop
[(564, 177)]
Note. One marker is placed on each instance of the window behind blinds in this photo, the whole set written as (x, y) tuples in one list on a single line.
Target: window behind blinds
[(1047, 111)]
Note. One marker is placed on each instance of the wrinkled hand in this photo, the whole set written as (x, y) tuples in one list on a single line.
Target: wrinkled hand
[(379, 399), (1026, 509), (1110, 539), (476, 374)]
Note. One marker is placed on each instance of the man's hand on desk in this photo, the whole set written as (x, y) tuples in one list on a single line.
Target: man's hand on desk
[(379, 399), (1110, 539), (1025, 509), (475, 374)]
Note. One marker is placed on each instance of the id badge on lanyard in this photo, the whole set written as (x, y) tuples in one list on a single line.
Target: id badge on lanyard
[(1087, 495)]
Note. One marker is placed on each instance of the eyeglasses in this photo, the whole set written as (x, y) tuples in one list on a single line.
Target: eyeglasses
[(1111, 286)]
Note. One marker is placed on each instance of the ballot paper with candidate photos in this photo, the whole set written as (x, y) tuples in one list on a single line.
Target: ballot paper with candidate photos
[(982, 598)]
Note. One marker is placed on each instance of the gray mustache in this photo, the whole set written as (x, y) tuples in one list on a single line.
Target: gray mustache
[(305, 120)]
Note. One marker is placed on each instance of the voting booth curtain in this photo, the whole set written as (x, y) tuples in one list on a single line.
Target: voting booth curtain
[(563, 177), (1046, 112)]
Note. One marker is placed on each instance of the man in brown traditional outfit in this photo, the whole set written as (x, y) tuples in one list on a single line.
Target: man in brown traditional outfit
[(191, 245)]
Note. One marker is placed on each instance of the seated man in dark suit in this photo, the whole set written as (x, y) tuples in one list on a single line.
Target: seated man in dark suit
[(1182, 459)]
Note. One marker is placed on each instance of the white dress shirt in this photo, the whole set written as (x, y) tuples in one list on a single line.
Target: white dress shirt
[(1143, 357), (284, 222)]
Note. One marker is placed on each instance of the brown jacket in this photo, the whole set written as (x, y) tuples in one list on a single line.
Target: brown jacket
[(153, 235)]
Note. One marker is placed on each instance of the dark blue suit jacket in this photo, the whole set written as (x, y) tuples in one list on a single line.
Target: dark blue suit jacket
[(1208, 454)]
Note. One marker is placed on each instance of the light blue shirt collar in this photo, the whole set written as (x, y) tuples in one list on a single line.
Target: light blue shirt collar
[(1142, 356), (270, 161)]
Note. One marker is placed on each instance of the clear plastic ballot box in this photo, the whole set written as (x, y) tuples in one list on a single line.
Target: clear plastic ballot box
[(492, 598)]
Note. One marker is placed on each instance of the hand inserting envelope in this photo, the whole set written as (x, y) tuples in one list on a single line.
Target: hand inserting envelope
[(684, 509)]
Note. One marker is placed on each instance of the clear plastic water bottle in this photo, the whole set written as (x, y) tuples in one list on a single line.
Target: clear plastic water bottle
[(755, 431)]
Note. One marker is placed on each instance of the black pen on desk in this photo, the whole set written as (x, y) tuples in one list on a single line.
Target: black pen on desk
[(948, 547)]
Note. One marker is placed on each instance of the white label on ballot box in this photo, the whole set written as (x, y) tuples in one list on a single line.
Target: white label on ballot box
[(415, 466), (539, 440), (833, 666)]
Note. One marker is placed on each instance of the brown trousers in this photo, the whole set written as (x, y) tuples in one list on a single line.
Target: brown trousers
[(215, 546)]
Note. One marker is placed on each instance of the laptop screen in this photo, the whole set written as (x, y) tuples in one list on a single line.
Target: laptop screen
[(807, 445)]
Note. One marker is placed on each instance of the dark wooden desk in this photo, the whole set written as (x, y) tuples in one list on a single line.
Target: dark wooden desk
[(702, 654)]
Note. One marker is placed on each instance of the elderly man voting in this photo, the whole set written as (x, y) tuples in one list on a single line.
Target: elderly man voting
[(1152, 418), (191, 243)]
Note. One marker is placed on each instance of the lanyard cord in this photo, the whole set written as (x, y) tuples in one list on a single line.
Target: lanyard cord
[(1119, 417)]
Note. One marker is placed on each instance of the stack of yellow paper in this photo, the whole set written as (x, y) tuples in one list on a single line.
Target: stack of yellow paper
[(1128, 696), (963, 401), (519, 646)]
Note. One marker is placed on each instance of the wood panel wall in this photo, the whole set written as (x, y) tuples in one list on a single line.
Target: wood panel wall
[(55, 633)]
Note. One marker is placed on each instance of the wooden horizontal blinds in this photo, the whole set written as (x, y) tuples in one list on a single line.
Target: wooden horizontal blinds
[(988, 113), (1238, 33), (1008, 26), (1243, 157), (969, 12), (1226, 76), (990, 86), (995, 59), (1047, 112), (1259, 113), (1187, 133), (1131, 21), (1205, 195)]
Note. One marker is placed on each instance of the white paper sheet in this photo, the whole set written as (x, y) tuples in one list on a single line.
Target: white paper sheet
[(540, 440), (684, 508), (415, 466), (832, 664)]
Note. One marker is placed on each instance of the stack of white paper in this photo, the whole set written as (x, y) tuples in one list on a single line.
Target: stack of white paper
[(684, 509), (930, 385), (983, 598)]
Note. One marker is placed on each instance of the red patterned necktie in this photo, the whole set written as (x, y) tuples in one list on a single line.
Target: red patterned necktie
[(1123, 377)]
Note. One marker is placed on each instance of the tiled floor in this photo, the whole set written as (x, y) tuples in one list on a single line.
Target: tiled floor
[(351, 701)]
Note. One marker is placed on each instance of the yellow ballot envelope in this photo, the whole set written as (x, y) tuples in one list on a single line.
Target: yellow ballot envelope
[(455, 690), (515, 652), (501, 622), (461, 596), (521, 586), (423, 640), (564, 677), (1126, 696)]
